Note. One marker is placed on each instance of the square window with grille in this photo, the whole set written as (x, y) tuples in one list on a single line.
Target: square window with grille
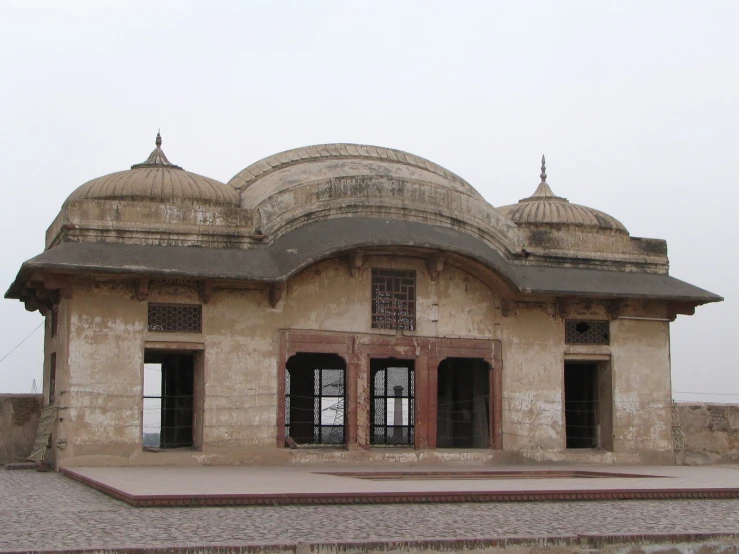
[(393, 299), (185, 318), (587, 331)]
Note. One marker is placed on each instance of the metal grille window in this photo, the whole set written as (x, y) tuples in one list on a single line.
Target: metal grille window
[(314, 400), (185, 318), (393, 299), (587, 332), (392, 409)]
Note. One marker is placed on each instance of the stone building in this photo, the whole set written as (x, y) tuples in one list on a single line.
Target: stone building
[(348, 303)]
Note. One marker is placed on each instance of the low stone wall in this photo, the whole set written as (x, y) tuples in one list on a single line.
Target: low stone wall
[(710, 433), (19, 416)]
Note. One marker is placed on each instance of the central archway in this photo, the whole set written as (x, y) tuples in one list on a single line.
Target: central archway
[(353, 354)]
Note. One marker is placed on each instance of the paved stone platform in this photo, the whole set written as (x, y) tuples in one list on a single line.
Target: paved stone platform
[(45, 512), (284, 485)]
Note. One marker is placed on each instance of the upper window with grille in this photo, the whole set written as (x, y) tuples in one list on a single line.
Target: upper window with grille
[(393, 299), (183, 318), (587, 331)]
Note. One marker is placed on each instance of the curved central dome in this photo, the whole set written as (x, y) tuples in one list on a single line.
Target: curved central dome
[(157, 180), (326, 161)]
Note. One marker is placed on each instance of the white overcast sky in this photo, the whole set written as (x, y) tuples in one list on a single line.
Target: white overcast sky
[(635, 104)]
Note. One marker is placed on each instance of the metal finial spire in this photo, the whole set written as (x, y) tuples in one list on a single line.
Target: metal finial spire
[(157, 157), (543, 190), (543, 169)]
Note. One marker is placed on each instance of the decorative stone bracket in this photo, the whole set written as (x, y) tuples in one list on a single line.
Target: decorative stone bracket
[(679, 308), (436, 266), (507, 307), (141, 290), (61, 283), (614, 307), (44, 294), (205, 290), (356, 262), (276, 290), (563, 307)]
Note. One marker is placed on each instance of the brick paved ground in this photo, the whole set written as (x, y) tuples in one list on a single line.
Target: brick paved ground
[(45, 511)]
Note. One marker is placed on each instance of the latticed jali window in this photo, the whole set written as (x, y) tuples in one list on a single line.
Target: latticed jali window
[(393, 406), (314, 402), (587, 331), (393, 299), (184, 318)]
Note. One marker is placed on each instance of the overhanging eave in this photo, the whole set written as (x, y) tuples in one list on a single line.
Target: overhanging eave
[(319, 240)]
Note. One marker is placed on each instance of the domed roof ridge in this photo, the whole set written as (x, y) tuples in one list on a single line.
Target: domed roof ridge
[(158, 180), (257, 170), (546, 207)]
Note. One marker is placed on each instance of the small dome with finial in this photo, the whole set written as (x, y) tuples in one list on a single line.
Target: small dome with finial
[(545, 207), (158, 180)]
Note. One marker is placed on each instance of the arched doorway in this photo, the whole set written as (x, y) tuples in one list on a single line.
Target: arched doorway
[(463, 403)]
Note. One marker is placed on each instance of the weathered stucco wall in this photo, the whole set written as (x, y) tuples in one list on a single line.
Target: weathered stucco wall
[(710, 433), (240, 344), (105, 368), (641, 387), (19, 416), (136, 222), (533, 405), (635, 412)]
